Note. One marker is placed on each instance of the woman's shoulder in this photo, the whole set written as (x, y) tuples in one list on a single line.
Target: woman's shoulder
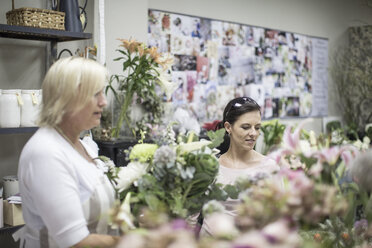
[(45, 143)]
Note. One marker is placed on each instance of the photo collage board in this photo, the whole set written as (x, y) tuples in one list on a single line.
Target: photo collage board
[(215, 61)]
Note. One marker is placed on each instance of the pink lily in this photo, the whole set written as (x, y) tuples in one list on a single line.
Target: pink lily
[(291, 141), (329, 155), (349, 153)]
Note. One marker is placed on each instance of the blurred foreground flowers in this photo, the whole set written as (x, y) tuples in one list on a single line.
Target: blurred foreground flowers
[(320, 198)]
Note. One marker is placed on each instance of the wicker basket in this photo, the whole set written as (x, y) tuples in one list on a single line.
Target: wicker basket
[(39, 18)]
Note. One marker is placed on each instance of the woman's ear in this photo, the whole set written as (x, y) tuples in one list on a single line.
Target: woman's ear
[(227, 126)]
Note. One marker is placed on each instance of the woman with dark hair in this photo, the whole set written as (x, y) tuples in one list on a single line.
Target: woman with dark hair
[(242, 122)]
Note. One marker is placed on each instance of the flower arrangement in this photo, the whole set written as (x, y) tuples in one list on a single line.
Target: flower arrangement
[(175, 177), (145, 69), (312, 202)]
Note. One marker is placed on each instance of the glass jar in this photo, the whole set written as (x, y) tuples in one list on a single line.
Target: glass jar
[(30, 107), (10, 108)]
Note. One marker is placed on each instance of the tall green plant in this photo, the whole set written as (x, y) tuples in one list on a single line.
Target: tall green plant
[(144, 68)]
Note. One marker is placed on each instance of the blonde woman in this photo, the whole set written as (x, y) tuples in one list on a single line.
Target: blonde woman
[(65, 195)]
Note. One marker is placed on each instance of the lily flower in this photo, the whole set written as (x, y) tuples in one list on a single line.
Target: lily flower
[(124, 214), (165, 61), (329, 155), (153, 51), (291, 140), (193, 146), (348, 153), (130, 45), (167, 86)]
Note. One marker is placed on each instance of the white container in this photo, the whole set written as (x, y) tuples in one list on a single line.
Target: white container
[(10, 108), (40, 97), (30, 107), (11, 186)]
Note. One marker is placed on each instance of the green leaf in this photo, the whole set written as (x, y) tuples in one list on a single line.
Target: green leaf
[(152, 201), (216, 137), (232, 191), (126, 64)]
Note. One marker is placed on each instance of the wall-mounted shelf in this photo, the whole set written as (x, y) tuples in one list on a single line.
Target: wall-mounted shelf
[(52, 35), (18, 130), (9, 229), (31, 33), (41, 34)]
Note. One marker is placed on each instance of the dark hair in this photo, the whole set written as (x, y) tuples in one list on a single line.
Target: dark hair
[(233, 110), (237, 107)]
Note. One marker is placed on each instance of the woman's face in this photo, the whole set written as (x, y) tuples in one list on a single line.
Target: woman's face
[(245, 131), (90, 115)]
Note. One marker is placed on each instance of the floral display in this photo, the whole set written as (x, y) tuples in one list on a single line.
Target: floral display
[(318, 199), (144, 81), (174, 177)]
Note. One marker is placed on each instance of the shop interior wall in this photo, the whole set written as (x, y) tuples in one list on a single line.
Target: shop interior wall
[(22, 63), (326, 19)]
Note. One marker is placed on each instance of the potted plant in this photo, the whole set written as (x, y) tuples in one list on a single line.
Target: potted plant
[(142, 86), (139, 93)]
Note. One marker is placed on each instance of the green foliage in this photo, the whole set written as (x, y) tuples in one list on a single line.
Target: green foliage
[(179, 182), (217, 137), (138, 85), (272, 134)]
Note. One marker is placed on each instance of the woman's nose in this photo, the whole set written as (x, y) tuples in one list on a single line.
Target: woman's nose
[(102, 102), (253, 132)]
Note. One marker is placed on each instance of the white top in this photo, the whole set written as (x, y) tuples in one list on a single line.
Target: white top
[(55, 181), (228, 175)]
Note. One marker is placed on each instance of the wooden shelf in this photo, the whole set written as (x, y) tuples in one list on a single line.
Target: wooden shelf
[(42, 34), (18, 130)]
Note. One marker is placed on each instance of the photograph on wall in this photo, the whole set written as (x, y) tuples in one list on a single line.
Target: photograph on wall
[(219, 60)]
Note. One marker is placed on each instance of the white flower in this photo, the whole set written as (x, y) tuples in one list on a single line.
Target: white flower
[(252, 239), (105, 164), (223, 225), (127, 175), (124, 214), (277, 231), (362, 145), (213, 206), (167, 86), (192, 146)]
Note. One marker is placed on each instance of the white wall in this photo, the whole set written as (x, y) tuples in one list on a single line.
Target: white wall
[(22, 63), (327, 19)]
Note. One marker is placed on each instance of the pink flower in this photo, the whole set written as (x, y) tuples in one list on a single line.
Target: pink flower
[(292, 144), (332, 154), (291, 141), (349, 153), (329, 155)]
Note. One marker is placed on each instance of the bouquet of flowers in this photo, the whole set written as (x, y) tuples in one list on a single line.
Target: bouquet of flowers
[(174, 176)]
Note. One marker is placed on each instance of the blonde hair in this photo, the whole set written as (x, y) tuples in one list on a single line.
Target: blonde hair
[(68, 86)]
